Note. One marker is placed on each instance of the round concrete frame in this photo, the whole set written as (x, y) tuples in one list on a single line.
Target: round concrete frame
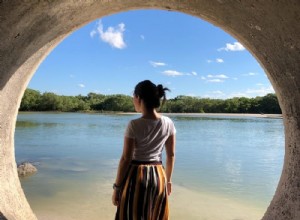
[(269, 29)]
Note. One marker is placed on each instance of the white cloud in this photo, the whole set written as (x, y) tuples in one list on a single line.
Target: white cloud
[(250, 74), (93, 33), (261, 91), (172, 73), (236, 46), (203, 77), (249, 93), (177, 73), (220, 76), (113, 35), (156, 64), (193, 73), (215, 80), (81, 85), (217, 60), (235, 78)]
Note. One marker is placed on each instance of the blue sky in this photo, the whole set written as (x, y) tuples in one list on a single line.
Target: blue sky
[(188, 55)]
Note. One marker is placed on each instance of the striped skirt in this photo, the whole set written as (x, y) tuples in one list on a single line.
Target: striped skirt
[(144, 193)]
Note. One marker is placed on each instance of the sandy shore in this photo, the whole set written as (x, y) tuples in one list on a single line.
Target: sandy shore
[(184, 204), (187, 204)]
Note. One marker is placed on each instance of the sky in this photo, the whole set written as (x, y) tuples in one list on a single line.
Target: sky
[(188, 55)]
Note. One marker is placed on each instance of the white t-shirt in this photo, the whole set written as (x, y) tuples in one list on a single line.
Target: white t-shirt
[(150, 136)]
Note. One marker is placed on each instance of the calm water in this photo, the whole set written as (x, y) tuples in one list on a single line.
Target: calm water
[(77, 155)]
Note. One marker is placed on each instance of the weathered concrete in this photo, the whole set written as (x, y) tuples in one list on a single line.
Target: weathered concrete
[(269, 29)]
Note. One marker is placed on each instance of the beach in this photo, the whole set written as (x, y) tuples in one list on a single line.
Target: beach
[(184, 204)]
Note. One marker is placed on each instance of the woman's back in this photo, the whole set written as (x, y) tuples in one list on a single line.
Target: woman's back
[(142, 184), (150, 136)]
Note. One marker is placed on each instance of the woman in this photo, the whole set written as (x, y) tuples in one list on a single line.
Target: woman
[(142, 186)]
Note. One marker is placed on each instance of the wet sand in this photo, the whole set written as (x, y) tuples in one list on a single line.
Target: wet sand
[(184, 204)]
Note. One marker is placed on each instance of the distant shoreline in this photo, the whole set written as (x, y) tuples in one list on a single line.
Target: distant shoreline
[(279, 116), (217, 114)]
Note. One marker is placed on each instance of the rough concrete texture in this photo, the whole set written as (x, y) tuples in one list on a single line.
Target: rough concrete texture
[(269, 29)]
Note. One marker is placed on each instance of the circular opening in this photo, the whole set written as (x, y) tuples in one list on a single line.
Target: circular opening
[(53, 162)]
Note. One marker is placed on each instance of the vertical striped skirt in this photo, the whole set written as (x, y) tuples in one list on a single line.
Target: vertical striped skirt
[(144, 193)]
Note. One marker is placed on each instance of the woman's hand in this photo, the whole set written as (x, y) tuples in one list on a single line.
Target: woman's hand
[(115, 197), (123, 167), (169, 188)]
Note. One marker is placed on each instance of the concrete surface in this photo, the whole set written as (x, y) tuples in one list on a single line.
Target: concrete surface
[(269, 29)]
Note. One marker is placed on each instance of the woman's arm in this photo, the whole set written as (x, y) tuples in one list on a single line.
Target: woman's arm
[(123, 166), (170, 160)]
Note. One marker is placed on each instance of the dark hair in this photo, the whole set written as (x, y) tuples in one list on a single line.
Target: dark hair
[(150, 93)]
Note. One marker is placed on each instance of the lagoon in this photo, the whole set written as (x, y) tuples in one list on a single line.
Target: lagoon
[(227, 167)]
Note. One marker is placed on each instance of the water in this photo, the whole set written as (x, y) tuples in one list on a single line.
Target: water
[(237, 160)]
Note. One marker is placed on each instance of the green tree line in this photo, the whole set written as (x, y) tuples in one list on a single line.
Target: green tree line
[(33, 100)]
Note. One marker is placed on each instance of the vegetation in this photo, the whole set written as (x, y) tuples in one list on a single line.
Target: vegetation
[(35, 101)]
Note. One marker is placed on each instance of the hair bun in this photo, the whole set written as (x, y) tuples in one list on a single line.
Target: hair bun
[(161, 91)]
